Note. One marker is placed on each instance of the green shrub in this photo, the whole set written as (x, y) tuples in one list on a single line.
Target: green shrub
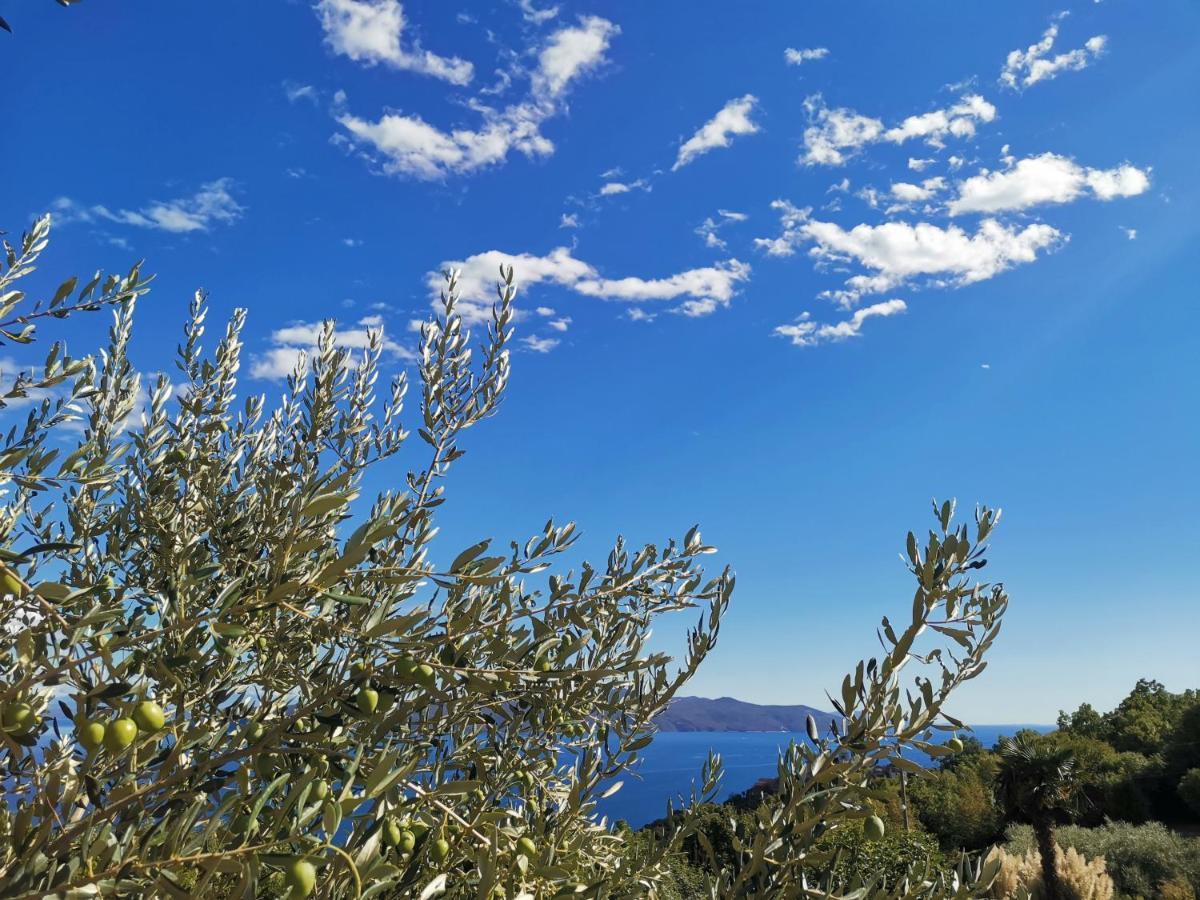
[(1140, 858), (888, 860), (1189, 789), (957, 806)]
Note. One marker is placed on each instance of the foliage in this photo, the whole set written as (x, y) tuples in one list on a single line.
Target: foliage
[(889, 861), (1189, 789), (1140, 858), (1038, 784), (1142, 723), (957, 804), (1022, 875), (221, 666), (320, 687)]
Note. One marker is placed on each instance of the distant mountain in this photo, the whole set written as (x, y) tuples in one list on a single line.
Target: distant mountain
[(728, 714)]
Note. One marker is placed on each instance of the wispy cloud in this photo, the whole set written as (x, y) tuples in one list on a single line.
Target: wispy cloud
[(409, 146), (372, 32), (795, 57), (1023, 68), (805, 332), (296, 92), (299, 339), (540, 344), (792, 219), (709, 227), (212, 204), (733, 119), (694, 292), (623, 187), (835, 135)]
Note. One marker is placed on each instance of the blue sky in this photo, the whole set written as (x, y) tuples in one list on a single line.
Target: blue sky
[(788, 273)]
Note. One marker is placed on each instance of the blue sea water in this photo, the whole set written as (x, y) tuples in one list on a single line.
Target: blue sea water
[(671, 764)]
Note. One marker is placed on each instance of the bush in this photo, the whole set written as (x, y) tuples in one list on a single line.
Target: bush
[(1082, 879), (855, 859), (958, 806), (1189, 789), (1139, 858)]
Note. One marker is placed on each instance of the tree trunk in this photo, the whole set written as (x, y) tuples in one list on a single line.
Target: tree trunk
[(1044, 830)]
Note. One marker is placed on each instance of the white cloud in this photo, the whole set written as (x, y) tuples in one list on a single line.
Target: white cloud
[(795, 57), (352, 242), (958, 120), (1130, 233), (544, 311), (560, 324), (835, 134), (536, 16), (804, 332), (1023, 68), (371, 32), (622, 187), (912, 193), (696, 291), (540, 344), (709, 227), (719, 131), (637, 314), (407, 145), (568, 220), (296, 92), (894, 253), (212, 204), (1048, 178), (834, 131), (792, 218), (299, 339), (920, 165), (572, 52)]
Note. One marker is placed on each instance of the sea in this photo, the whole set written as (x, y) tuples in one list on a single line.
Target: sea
[(670, 765)]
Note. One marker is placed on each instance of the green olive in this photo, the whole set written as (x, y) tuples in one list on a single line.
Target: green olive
[(91, 734), (526, 847), (320, 789), (149, 716), (407, 841), (254, 732), (19, 719), (440, 850), (367, 700), (391, 833), (265, 765), (873, 828), (955, 745), (120, 734), (300, 877), (425, 676)]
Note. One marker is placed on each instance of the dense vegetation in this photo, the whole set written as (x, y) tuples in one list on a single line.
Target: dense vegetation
[(1132, 769)]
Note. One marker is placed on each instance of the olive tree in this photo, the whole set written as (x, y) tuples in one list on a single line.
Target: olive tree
[(211, 672), (223, 672), (825, 785)]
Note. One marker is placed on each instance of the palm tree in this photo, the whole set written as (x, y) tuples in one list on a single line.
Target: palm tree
[(1037, 784)]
